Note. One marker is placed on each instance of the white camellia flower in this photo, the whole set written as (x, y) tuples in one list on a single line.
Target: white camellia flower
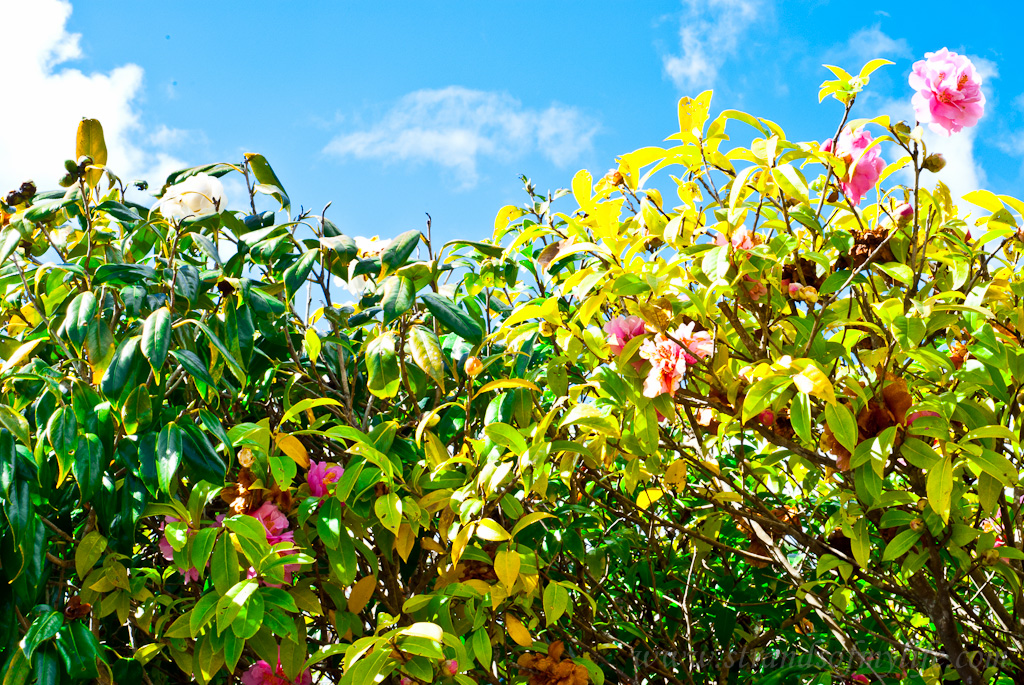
[(195, 196), (367, 247)]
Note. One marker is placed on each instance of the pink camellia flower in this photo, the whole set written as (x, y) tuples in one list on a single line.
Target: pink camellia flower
[(864, 164), (668, 364), (860, 678), (621, 330), (742, 239), (321, 474), (275, 523), (948, 96), (755, 288), (699, 345), (452, 666), (261, 673)]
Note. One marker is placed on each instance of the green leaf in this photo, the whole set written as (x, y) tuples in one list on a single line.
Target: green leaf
[(427, 354), (382, 366), (399, 296), (397, 253), (137, 411), (556, 601), (168, 455), (508, 437), (88, 552), (762, 394), (800, 416), (389, 510), (156, 338), (900, 545), (212, 424), (44, 628), (940, 487), (453, 317), (186, 283), (81, 312), (296, 274), (203, 612), (224, 565), (861, 543), (269, 183), (236, 369), (195, 366), (232, 602), (89, 464), (841, 422), (116, 375), (62, 430)]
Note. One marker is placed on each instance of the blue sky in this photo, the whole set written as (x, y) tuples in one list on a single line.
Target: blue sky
[(438, 107)]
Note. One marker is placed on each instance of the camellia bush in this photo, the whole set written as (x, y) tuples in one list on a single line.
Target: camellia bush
[(760, 424)]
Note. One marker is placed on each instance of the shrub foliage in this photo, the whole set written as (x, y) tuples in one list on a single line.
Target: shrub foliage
[(761, 425)]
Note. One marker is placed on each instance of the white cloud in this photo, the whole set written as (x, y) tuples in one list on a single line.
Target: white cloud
[(456, 127), (864, 46), (49, 99), (709, 33)]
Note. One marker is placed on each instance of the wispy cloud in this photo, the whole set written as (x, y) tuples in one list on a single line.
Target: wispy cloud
[(40, 124), (709, 33), (455, 127), (865, 45)]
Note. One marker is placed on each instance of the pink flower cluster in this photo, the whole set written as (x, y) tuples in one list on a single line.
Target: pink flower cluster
[(321, 475), (621, 330), (261, 673), (948, 96), (742, 239), (864, 164), (745, 240), (669, 359)]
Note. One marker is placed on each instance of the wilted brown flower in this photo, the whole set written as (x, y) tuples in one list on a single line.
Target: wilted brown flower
[(551, 669)]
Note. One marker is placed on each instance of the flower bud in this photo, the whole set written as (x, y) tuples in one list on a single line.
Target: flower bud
[(473, 367), (67, 180), (917, 525), (452, 666), (934, 163), (809, 293), (614, 177), (991, 557), (70, 166), (547, 329), (922, 504)]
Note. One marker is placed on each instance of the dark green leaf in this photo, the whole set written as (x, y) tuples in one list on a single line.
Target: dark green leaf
[(397, 253), (116, 375), (81, 312), (398, 297), (156, 337), (453, 317), (168, 455), (296, 274), (195, 366), (44, 628)]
